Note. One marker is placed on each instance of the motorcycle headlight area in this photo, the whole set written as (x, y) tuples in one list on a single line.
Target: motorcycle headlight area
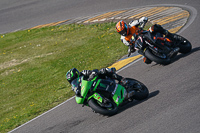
[(74, 84)]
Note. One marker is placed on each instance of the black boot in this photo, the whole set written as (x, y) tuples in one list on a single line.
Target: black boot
[(147, 60)]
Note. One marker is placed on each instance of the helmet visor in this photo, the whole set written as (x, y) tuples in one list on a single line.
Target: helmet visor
[(124, 31)]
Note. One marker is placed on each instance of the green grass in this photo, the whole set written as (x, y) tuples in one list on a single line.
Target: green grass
[(34, 63)]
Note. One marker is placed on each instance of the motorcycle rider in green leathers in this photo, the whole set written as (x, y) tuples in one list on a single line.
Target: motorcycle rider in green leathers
[(103, 73)]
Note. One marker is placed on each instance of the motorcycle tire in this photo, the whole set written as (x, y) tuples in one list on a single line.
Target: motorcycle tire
[(185, 47), (151, 56), (102, 110), (141, 93)]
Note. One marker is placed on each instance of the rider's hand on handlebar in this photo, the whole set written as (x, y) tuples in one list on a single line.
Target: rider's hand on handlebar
[(92, 75), (86, 72), (131, 47)]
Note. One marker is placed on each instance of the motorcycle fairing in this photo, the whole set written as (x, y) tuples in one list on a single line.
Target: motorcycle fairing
[(97, 96), (119, 94), (85, 87), (105, 85)]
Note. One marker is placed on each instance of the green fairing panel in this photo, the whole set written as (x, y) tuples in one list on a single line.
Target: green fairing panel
[(119, 94), (97, 97), (79, 100), (103, 85), (85, 87), (97, 84)]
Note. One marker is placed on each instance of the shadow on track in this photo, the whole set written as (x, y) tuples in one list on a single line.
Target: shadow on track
[(135, 102), (179, 56)]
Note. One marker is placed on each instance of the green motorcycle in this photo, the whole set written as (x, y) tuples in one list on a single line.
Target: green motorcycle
[(105, 96)]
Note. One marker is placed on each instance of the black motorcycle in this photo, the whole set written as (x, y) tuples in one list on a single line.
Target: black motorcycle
[(157, 48)]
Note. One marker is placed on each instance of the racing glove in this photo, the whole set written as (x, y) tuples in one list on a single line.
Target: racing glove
[(131, 49), (86, 72), (92, 75)]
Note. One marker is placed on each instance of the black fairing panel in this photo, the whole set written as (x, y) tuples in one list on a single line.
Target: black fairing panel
[(106, 87)]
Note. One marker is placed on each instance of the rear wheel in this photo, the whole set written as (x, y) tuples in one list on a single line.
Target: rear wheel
[(109, 108), (141, 91), (158, 58)]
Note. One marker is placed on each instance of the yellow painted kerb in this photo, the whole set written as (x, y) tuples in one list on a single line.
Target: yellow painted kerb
[(105, 15), (118, 65), (49, 24), (150, 12)]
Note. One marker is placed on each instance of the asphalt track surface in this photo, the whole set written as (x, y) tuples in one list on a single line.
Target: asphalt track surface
[(173, 105)]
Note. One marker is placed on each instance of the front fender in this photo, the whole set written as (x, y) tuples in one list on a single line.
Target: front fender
[(79, 100), (97, 97)]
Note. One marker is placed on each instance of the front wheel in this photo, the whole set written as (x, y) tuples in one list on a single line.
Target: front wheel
[(141, 91), (110, 108), (185, 46), (158, 58)]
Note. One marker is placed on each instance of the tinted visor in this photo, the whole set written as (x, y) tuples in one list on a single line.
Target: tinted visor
[(124, 31)]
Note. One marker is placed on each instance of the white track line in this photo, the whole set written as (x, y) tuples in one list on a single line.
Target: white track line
[(42, 114)]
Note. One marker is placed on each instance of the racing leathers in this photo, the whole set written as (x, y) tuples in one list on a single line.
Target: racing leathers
[(134, 29)]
